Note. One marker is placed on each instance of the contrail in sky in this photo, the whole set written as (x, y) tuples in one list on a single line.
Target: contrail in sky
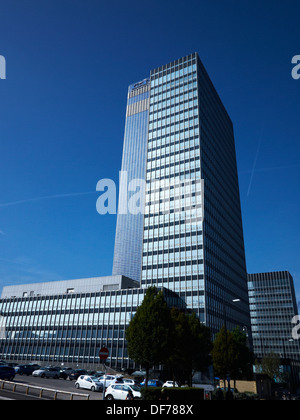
[(255, 162), (270, 169), (49, 197)]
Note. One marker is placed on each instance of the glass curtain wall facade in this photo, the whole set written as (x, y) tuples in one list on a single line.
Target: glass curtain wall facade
[(272, 307), (71, 328), (191, 137), (129, 231)]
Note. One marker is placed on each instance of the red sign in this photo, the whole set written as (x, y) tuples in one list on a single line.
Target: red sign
[(104, 353)]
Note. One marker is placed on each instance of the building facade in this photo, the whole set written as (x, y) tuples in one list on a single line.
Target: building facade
[(272, 307), (129, 231), (69, 322), (195, 247)]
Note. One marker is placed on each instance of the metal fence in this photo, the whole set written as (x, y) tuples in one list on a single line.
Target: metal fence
[(40, 392)]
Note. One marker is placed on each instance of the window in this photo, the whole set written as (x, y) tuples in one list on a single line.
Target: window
[(71, 290), (110, 287)]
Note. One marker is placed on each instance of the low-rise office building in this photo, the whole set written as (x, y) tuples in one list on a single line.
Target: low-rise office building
[(272, 308), (69, 321)]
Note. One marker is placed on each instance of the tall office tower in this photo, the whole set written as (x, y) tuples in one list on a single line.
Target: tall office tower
[(272, 307), (191, 137), (192, 237), (129, 231)]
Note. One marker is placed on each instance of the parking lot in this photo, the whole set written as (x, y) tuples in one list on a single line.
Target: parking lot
[(53, 384)]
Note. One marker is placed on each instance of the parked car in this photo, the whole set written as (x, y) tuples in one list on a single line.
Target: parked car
[(98, 374), (91, 372), (128, 381), (120, 392), (65, 372), (7, 373), (139, 374), (74, 375), (110, 379), (153, 382), (34, 365), (49, 372), (170, 384), (39, 373), (89, 382), (25, 369)]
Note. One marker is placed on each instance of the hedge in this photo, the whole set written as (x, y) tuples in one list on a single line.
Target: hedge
[(172, 394)]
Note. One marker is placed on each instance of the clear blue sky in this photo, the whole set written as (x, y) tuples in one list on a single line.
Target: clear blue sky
[(62, 116)]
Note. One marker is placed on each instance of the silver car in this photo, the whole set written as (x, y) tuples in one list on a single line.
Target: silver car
[(47, 372)]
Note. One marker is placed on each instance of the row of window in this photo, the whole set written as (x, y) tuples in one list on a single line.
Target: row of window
[(170, 243), (72, 302), (184, 171), (66, 353), (183, 105), (175, 164), (172, 115), (172, 74), (172, 142), (173, 272), (184, 151), (69, 319), (173, 90), (80, 333)]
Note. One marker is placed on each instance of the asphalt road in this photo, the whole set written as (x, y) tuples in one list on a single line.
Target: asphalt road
[(52, 384)]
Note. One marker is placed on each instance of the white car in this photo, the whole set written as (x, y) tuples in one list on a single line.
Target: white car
[(128, 381), (120, 392), (110, 379), (170, 384), (89, 382)]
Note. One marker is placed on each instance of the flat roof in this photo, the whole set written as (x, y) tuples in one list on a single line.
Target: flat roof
[(85, 285)]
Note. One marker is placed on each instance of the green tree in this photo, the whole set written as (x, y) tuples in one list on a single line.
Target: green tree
[(149, 332), (231, 355), (191, 343), (223, 353), (270, 366), (200, 344), (242, 363)]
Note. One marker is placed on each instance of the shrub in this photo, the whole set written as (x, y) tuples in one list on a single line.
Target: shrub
[(173, 394), (246, 396)]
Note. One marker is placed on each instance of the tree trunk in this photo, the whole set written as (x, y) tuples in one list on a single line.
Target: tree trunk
[(147, 376)]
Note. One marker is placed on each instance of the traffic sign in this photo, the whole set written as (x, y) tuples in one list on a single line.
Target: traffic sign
[(103, 353)]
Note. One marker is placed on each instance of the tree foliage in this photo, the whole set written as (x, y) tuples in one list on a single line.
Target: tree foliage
[(148, 334), (231, 355), (270, 366), (161, 335)]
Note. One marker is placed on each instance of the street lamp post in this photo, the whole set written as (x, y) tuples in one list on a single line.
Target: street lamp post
[(226, 341)]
